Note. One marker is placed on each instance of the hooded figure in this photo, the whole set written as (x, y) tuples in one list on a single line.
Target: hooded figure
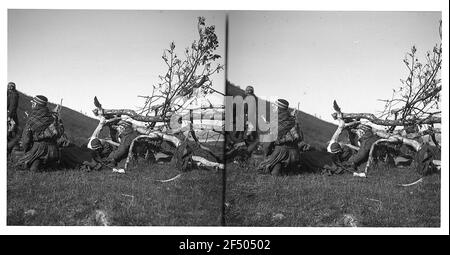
[(39, 140), (13, 103), (285, 153)]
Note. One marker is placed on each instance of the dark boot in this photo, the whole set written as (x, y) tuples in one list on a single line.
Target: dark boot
[(35, 166), (276, 171)]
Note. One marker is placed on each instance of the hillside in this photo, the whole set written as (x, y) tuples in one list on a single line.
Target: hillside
[(316, 131), (78, 126)]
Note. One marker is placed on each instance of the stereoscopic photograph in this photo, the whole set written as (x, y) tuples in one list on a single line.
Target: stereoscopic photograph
[(224, 118)]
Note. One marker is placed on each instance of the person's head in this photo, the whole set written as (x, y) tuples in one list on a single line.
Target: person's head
[(11, 86), (283, 105), (249, 90), (96, 144), (124, 127), (39, 101), (362, 130), (335, 148)]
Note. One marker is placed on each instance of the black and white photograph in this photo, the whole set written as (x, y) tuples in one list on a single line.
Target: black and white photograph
[(226, 121), (92, 101), (358, 96)]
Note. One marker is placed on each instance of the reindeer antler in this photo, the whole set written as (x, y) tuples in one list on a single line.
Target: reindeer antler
[(97, 103), (336, 106)]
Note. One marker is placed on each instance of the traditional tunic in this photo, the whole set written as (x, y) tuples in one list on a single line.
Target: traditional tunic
[(36, 146), (286, 149), (13, 103)]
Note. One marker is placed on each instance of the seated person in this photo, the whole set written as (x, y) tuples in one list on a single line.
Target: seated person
[(366, 138), (126, 136), (39, 136), (285, 149), (102, 148), (362, 135)]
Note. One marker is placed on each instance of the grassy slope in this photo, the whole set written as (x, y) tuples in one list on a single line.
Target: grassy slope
[(316, 131), (78, 126), (321, 200)]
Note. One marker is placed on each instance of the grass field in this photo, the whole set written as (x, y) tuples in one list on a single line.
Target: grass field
[(75, 197), (315, 200)]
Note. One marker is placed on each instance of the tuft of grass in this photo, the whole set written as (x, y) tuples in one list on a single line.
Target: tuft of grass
[(314, 200)]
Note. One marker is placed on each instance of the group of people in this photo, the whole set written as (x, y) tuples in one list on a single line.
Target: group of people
[(43, 143), (289, 153)]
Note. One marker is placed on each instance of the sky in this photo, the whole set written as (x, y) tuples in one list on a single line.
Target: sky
[(312, 58), (112, 54), (309, 58)]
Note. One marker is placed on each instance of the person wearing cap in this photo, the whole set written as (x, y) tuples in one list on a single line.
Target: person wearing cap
[(13, 103), (361, 135), (341, 153), (39, 150), (285, 153), (366, 139), (126, 136), (101, 147)]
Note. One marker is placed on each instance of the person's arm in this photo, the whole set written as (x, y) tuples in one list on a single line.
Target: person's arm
[(97, 131), (12, 109), (110, 142), (342, 125), (99, 128), (26, 139), (290, 136), (336, 134)]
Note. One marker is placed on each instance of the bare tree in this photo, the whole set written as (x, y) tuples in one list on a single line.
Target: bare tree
[(183, 76), (184, 80), (415, 104), (417, 101)]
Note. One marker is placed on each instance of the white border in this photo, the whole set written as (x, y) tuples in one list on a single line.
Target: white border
[(349, 5)]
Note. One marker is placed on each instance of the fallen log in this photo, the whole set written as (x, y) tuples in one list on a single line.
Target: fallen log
[(348, 120), (387, 122)]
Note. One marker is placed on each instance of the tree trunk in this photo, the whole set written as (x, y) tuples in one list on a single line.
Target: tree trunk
[(372, 118)]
